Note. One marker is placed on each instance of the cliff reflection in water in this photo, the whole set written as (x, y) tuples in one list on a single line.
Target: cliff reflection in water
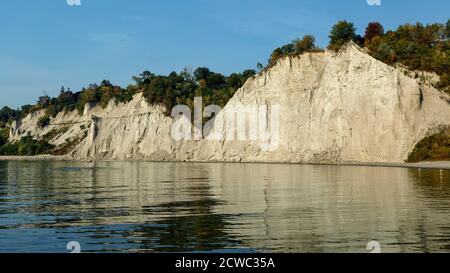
[(143, 206)]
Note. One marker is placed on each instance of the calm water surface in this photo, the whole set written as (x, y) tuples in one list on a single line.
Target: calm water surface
[(165, 207)]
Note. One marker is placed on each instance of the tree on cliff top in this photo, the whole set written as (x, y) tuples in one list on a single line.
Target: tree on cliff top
[(307, 43), (296, 47), (340, 34), (373, 30)]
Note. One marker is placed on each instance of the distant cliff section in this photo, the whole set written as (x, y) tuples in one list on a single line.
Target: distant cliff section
[(334, 107)]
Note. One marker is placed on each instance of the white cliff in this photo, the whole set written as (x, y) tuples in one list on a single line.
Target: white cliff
[(333, 107)]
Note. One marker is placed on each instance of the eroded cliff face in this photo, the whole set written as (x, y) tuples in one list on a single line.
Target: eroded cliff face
[(333, 107)]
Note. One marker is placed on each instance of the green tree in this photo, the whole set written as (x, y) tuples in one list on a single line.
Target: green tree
[(7, 115), (3, 136), (44, 101), (260, 66), (187, 74), (43, 121), (288, 49), (201, 73), (276, 54), (234, 81), (340, 34), (144, 78)]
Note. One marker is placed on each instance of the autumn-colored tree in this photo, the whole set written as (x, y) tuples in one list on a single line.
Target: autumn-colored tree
[(374, 29), (307, 43)]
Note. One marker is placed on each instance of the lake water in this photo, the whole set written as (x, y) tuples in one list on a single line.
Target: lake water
[(177, 207)]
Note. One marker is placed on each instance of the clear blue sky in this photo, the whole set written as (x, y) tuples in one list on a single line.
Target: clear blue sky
[(45, 44)]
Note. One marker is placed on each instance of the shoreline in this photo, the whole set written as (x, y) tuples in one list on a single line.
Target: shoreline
[(36, 158), (443, 165)]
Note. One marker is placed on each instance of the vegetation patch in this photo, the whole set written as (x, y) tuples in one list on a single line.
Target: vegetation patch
[(43, 121), (69, 145), (55, 132), (4, 135), (26, 146), (296, 48), (435, 147)]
